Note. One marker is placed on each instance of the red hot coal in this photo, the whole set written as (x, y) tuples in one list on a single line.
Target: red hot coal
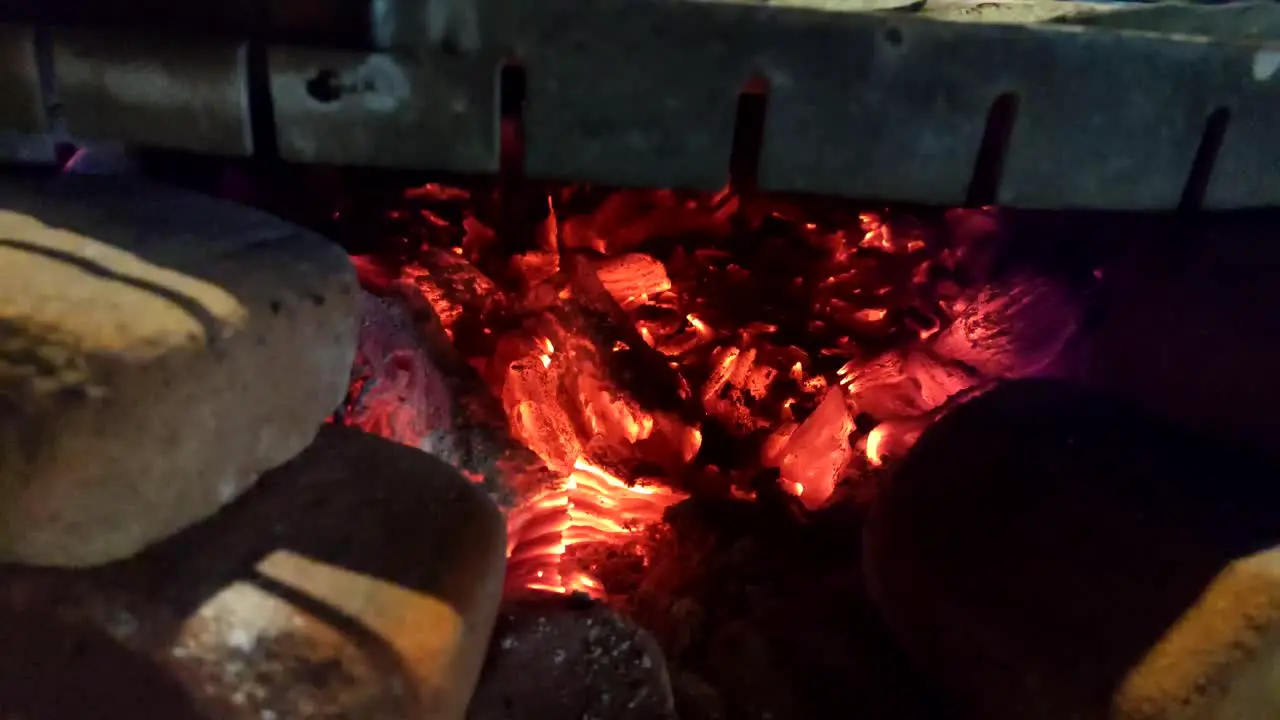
[(609, 353)]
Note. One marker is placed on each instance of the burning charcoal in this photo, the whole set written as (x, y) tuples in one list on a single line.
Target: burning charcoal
[(1011, 330), (869, 322), (629, 218), (736, 387), (678, 337), (377, 275), (453, 287), (480, 440), (884, 387), (530, 394), (477, 237), (937, 379), (771, 452), (892, 439), (597, 316), (819, 451), (605, 408), (631, 278), (592, 506), (435, 192), (535, 268), (395, 390), (562, 405)]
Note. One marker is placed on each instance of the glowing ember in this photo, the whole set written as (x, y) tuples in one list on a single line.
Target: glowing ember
[(624, 329), (591, 506), (875, 440), (817, 454)]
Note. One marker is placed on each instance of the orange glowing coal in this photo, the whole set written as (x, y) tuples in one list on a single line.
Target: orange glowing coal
[(592, 506), (875, 441), (627, 327)]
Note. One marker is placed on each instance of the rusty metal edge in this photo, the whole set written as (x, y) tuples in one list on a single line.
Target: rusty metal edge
[(873, 105)]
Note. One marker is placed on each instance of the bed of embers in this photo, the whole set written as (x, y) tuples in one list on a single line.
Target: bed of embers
[(684, 401)]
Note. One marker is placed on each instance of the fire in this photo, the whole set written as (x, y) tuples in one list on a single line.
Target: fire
[(592, 506), (875, 439), (545, 357), (614, 345)]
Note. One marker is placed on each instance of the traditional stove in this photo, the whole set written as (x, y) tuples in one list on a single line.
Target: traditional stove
[(688, 400)]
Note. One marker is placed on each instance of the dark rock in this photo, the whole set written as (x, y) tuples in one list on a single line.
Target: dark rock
[(1052, 554)]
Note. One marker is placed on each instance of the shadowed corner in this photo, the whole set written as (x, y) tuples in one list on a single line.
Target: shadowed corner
[(56, 670)]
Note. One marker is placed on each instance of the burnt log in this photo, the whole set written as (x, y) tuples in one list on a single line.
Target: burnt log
[(1046, 553)]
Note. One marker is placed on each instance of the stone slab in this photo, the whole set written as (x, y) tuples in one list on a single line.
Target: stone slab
[(561, 658), (361, 580), (159, 350)]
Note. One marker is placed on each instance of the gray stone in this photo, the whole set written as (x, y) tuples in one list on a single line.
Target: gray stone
[(563, 658), (159, 350), (1053, 554)]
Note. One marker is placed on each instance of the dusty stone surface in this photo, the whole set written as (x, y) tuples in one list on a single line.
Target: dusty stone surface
[(571, 659), (1047, 553), (361, 580), (159, 350)]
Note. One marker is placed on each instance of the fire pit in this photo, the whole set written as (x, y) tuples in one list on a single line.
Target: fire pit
[(686, 404), (683, 403), (685, 400), (653, 345), (693, 449)]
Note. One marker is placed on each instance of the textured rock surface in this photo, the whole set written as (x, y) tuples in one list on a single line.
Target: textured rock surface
[(361, 580), (1048, 554), (564, 659), (159, 350)]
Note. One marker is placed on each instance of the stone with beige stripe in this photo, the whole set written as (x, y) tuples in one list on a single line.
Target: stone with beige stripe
[(159, 350), (360, 580)]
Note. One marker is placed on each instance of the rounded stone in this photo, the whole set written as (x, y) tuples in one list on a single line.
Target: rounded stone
[(159, 350), (1048, 553)]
